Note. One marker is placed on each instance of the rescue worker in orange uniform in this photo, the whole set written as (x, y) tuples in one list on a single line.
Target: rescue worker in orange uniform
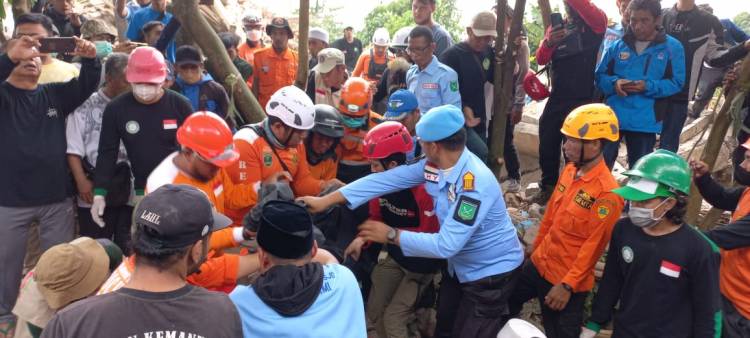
[(576, 226), (276, 66), (273, 150), (371, 66), (734, 240), (357, 116), (322, 141)]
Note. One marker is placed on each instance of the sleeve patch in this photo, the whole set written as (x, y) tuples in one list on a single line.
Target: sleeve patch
[(466, 210)]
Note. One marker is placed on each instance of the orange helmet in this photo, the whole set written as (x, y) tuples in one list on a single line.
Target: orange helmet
[(355, 97), (209, 136)]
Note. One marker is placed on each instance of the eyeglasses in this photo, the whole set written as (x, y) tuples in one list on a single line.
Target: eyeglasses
[(411, 50)]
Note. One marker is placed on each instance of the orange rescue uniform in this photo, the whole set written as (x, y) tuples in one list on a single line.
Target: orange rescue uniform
[(362, 68), (258, 162), (577, 227), (274, 71), (325, 170), (350, 147), (247, 53), (734, 273)]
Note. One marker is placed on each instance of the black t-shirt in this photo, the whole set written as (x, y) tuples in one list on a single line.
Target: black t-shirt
[(149, 133), (667, 286), (32, 134), (351, 51), (473, 69), (190, 311)]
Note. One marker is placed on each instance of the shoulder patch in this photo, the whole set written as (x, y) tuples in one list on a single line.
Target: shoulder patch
[(454, 86), (468, 181), (466, 210), (430, 173)]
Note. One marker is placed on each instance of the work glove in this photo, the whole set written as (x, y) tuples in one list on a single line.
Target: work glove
[(97, 210), (587, 333)]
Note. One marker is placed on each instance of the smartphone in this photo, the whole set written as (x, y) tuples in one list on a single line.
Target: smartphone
[(556, 20), (57, 45)]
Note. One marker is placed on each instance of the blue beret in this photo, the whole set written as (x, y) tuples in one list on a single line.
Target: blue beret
[(440, 123), (401, 101)]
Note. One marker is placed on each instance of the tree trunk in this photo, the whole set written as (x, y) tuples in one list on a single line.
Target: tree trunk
[(722, 120), (217, 59), (304, 27), (20, 7), (503, 80), (546, 11)]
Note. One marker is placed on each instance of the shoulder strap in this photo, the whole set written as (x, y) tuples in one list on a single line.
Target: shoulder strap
[(262, 133)]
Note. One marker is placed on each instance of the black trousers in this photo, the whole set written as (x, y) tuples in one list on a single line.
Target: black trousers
[(474, 309), (735, 325), (557, 324), (117, 220), (550, 137)]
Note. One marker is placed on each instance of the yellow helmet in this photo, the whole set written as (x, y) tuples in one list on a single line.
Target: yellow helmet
[(592, 122)]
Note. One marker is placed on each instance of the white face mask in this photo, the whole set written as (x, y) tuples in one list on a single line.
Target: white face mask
[(146, 92), (644, 217), (254, 35)]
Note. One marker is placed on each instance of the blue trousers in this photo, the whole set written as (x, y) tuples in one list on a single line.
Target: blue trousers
[(637, 143), (674, 120)]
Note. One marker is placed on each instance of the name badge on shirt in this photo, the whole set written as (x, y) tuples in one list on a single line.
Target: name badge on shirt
[(170, 124), (430, 86)]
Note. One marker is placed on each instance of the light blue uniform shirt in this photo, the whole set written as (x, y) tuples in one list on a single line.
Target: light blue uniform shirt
[(337, 312), (433, 86), (476, 234)]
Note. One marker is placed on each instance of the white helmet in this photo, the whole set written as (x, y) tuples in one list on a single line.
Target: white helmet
[(401, 37), (293, 107), (381, 37)]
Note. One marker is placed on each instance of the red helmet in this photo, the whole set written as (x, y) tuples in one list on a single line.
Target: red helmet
[(208, 135), (386, 139)]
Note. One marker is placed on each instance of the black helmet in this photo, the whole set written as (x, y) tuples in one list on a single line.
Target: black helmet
[(328, 121)]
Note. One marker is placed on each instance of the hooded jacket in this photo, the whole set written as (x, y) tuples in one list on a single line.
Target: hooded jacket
[(661, 65), (312, 300), (204, 95)]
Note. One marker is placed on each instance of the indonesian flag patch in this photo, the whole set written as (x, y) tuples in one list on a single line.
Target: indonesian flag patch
[(670, 269), (170, 124)]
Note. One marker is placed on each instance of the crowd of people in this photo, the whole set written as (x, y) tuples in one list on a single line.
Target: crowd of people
[(134, 203)]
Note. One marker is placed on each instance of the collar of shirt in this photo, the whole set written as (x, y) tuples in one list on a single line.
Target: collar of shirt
[(101, 94), (285, 55), (456, 171), (432, 68), (595, 172)]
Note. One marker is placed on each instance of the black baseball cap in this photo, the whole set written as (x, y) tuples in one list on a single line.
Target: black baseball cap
[(187, 55), (286, 230), (281, 23), (175, 216)]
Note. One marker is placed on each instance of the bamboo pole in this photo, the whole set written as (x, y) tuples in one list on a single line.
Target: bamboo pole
[(546, 11), (304, 30)]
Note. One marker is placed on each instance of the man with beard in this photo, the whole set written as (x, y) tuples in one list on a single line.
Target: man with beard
[(170, 237)]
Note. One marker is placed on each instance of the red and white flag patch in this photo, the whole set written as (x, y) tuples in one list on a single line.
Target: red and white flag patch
[(170, 124), (670, 269)]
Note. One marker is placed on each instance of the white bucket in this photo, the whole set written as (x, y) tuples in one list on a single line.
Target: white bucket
[(517, 328)]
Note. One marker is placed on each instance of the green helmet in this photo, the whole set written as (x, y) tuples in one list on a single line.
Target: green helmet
[(659, 174)]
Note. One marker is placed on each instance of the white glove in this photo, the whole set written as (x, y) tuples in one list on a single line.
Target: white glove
[(97, 210), (587, 333)]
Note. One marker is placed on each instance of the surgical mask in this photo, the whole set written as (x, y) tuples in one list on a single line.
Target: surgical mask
[(353, 122), (146, 92), (103, 49), (644, 217), (254, 35)]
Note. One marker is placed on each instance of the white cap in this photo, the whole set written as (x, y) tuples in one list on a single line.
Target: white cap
[(293, 107), (517, 328), (328, 59), (319, 34), (381, 37)]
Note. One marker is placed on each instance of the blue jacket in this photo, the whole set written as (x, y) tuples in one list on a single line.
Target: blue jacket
[(476, 234), (661, 65), (204, 95)]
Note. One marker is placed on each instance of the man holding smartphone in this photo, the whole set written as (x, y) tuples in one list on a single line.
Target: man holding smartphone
[(34, 181), (570, 49)]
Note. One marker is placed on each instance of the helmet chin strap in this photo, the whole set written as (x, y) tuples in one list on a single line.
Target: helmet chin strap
[(289, 137), (581, 161)]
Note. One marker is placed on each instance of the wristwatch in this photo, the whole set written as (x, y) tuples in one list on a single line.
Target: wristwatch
[(567, 287), (391, 236)]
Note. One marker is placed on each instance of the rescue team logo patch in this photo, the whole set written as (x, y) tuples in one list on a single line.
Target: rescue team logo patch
[(170, 124), (584, 200), (670, 269), (267, 159), (454, 86), (486, 64), (627, 254), (468, 181), (624, 56), (132, 127), (602, 211), (466, 210)]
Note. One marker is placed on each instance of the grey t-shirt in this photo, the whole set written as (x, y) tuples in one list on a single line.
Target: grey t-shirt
[(442, 39), (190, 311), (640, 46)]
